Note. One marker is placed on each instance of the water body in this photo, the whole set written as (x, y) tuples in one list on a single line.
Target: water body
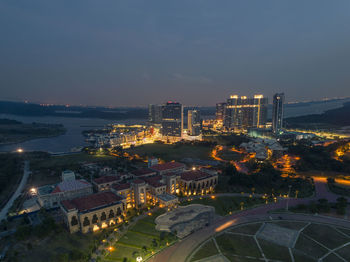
[(74, 138), (65, 143)]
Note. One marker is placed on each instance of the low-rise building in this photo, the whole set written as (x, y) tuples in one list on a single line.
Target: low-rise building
[(93, 212), (104, 183), (170, 167), (197, 182), (49, 196), (143, 172)]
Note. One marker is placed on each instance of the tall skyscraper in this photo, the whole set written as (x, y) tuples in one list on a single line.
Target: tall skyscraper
[(220, 111), (194, 122), (277, 112), (243, 112), (155, 114), (172, 119)]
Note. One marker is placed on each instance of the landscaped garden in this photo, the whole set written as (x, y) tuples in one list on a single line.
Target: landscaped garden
[(226, 204), (141, 239), (246, 243)]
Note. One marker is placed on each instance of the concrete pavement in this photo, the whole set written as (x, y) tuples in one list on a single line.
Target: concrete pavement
[(182, 249), (26, 172)]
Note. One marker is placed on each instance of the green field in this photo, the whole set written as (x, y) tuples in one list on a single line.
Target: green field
[(141, 240), (172, 152), (226, 204), (315, 241)]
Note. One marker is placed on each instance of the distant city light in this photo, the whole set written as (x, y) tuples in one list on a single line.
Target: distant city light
[(19, 150)]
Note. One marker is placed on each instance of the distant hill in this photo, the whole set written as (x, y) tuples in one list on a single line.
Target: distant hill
[(339, 117), (27, 109)]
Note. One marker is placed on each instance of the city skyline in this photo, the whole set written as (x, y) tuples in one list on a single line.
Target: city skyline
[(128, 54)]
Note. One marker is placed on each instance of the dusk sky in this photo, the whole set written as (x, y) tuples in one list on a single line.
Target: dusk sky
[(198, 52)]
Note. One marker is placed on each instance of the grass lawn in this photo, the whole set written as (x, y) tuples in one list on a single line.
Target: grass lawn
[(140, 236), (290, 224), (309, 246), (207, 250), (332, 258), (238, 245), (230, 155), (344, 252), (233, 258), (66, 160), (271, 251), (300, 257), (172, 152), (250, 229), (224, 205), (333, 239)]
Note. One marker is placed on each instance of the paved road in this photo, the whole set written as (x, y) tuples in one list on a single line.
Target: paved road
[(182, 249), (26, 172)]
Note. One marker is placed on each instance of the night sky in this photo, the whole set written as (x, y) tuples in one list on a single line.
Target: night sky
[(198, 52)]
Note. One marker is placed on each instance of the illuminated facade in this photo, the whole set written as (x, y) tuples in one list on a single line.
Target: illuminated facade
[(277, 112), (194, 122), (155, 114), (220, 111), (93, 212), (172, 120), (243, 112)]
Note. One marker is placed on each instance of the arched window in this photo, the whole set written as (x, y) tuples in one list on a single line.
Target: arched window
[(74, 221), (103, 216), (86, 222), (111, 214), (94, 219)]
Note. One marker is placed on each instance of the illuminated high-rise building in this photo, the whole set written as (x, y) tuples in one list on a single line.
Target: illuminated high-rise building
[(194, 122), (277, 112), (220, 111), (172, 119), (154, 114), (243, 112)]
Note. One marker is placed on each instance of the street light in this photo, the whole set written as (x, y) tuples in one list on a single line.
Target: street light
[(290, 186), (139, 259), (19, 150)]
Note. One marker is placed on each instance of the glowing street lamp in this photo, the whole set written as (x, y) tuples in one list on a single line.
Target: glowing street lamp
[(139, 259), (19, 150)]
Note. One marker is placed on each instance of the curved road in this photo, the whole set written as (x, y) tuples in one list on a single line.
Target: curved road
[(183, 248), (26, 172)]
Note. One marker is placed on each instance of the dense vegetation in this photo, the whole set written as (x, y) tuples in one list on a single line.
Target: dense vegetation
[(265, 179), (338, 116), (12, 131), (27, 109), (10, 174)]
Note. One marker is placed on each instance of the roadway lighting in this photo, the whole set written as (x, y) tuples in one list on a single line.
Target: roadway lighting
[(110, 249), (19, 150), (33, 191), (139, 259)]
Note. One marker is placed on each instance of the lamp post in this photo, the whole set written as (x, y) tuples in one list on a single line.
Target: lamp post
[(290, 186)]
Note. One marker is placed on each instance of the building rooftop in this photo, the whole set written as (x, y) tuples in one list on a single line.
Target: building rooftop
[(138, 181), (106, 179), (71, 185), (123, 186), (194, 175), (166, 197), (93, 201), (154, 181), (167, 166), (142, 172)]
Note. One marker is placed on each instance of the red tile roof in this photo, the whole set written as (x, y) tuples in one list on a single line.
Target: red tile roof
[(143, 172), (121, 186), (194, 175), (106, 179), (154, 181), (71, 185), (138, 181), (167, 166), (93, 201)]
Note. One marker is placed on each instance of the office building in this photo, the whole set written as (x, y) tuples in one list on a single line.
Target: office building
[(220, 111), (194, 122), (172, 120), (243, 112), (154, 114), (277, 112)]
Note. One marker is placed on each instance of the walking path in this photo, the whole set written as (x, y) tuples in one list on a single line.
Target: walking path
[(26, 172), (182, 249)]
